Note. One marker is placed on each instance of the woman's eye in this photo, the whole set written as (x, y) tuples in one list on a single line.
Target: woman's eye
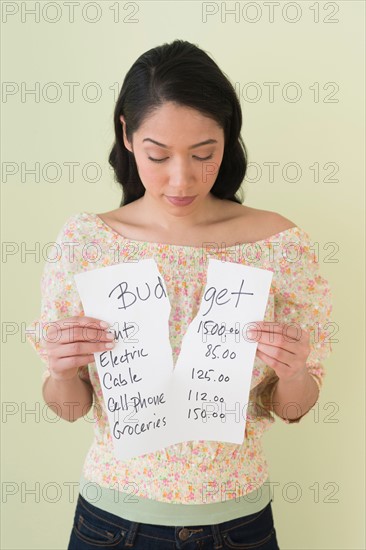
[(198, 158), (206, 158), (156, 160)]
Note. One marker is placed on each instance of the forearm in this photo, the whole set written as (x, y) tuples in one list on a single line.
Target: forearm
[(292, 399), (69, 399)]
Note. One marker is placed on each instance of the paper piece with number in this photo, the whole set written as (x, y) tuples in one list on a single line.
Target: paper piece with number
[(213, 373), (150, 404)]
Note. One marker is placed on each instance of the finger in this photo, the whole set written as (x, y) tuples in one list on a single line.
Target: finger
[(81, 348), (277, 341), (61, 324), (271, 361), (271, 338), (84, 334), (278, 354), (83, 320), (290, 331), (63, 333), (66, 363)]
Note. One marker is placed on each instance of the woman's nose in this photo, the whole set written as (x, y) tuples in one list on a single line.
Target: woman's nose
[(181, 174)]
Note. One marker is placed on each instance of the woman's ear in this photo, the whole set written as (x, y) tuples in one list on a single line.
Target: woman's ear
[(125, 140)]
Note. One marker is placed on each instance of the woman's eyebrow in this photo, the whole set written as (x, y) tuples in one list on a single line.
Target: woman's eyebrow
[(207, 142)]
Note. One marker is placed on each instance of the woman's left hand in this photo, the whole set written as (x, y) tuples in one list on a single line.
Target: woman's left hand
[(284, 348)]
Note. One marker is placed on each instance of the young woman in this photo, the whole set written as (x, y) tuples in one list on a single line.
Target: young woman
[(180, 160)]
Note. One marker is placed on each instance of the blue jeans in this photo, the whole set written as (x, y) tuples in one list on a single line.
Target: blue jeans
[(95, 528)]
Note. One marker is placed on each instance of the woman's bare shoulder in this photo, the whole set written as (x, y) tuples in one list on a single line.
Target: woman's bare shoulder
[(262, 223), (123, 214), (272, 221)]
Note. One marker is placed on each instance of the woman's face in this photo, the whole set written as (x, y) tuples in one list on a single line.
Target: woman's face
[(178, 153)]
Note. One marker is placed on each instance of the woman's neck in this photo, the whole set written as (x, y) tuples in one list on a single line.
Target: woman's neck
[(166, 217)]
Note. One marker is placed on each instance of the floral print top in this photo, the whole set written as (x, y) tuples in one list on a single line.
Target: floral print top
[(298, 294)]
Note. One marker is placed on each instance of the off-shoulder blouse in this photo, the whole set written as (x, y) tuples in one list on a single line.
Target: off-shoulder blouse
[(298, 294)]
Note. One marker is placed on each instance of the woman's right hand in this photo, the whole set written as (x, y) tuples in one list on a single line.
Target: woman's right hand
[(71, 343)]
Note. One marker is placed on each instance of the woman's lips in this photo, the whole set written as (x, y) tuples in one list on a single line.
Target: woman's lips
[(180, 201)]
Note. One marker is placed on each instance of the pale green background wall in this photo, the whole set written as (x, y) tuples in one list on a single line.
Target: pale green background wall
[(314, 453)]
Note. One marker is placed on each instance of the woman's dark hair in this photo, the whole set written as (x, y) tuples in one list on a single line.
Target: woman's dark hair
[(182, 73)]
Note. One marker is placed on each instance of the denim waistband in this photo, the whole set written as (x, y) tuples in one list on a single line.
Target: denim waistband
[(179, 534)]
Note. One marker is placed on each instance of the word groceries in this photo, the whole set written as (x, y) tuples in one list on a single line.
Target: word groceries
[(152, 403)]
